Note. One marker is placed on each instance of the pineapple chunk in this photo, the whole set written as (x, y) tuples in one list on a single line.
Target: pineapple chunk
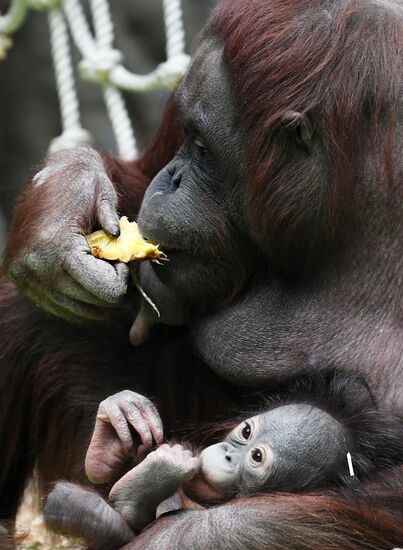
[(129, 246)]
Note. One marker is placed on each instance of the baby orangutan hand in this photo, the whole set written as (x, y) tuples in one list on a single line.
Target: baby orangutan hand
[(112, 440)]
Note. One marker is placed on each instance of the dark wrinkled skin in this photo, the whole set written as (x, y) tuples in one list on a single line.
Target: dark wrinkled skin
[(204, 188)]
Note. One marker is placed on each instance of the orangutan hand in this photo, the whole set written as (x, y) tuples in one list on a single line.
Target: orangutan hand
[(112, 441), (47, 255)]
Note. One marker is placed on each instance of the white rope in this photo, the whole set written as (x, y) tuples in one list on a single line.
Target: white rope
[(102, 23), (97, 67), (103, 64), (166, 75), (72, 132), (121, 123), (175, 34), (14, 18), (100, 63), (79, 27)]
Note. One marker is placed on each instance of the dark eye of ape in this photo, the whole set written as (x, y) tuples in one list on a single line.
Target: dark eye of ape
[(246, 431), (257, 455), (201, 146)]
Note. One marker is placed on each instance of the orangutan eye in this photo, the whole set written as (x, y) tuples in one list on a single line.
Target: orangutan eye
[(200, 144), (260, 458), (246, 431), (257, 455)]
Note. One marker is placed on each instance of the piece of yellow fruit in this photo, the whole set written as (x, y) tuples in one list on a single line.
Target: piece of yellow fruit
[(129, 246)]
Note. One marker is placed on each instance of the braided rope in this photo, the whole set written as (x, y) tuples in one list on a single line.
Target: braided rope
[(72, 132), (121, 123), (102, 23), (101, 63), (98, 68), (79, 27), (175, 34)]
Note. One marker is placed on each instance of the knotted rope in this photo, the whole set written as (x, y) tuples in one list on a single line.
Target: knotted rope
[(101, 63)]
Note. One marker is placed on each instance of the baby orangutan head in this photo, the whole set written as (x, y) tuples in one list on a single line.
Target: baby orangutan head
[(289, 448)]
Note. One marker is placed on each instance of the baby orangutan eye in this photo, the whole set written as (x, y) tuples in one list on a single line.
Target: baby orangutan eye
[(257, 455), (246, 431)]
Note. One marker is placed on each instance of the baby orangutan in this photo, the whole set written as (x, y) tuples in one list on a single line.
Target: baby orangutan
[(294, 445)]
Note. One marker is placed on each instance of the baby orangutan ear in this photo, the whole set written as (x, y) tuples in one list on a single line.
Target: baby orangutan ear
[(300, 128)]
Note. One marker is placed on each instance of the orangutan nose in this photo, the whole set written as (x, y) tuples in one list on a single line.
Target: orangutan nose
[(229, 451)]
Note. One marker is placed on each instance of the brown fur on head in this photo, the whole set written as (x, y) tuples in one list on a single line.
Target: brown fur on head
[(307, 56)]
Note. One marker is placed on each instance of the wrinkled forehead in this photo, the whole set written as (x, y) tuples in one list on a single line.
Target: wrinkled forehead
[(290, 415), (206, 84)]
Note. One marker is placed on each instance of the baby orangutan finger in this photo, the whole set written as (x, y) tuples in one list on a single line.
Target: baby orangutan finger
[(186, 459), (141, 414), (153, 419), (177, 462), (135, 418), (119, 422), (126, 410)]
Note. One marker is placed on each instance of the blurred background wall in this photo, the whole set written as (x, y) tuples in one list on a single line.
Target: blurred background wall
[(29, 115)]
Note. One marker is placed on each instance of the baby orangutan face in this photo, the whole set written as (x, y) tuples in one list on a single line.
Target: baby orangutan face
[(282, 449), (245, 449)]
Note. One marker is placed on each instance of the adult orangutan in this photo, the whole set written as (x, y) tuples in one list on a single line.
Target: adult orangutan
[(276, 191)]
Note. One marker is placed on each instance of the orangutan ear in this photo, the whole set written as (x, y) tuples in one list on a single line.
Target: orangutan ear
[(300, 129)]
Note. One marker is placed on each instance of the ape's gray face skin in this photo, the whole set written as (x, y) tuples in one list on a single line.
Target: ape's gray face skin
[(193, 207), (197, 208), (288, 448)]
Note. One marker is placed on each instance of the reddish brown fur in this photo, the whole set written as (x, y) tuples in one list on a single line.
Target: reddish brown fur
[(303, 60), (58, 375), (328, 521)]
